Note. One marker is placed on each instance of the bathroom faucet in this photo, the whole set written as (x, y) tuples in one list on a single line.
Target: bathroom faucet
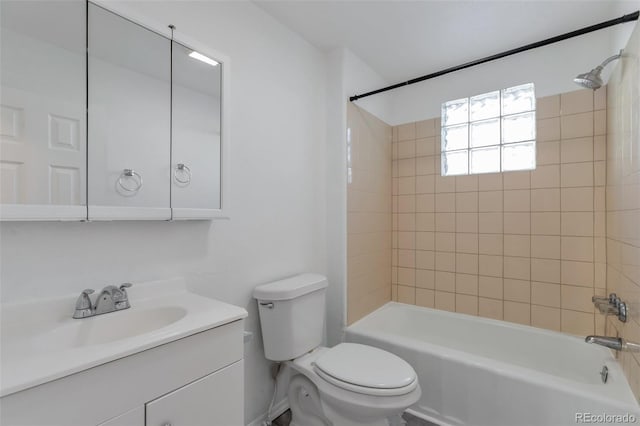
[(111, 299), (611, 305), (615, 343)]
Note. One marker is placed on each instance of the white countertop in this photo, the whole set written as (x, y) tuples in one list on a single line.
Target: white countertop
[(40, 341)]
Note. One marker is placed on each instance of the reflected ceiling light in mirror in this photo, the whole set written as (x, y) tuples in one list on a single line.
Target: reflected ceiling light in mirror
[(201, 57)]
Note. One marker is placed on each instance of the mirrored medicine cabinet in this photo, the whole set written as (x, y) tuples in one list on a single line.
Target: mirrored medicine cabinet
[(107, 119)]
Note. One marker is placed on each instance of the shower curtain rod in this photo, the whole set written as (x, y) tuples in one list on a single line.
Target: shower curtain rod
[(625, 18)]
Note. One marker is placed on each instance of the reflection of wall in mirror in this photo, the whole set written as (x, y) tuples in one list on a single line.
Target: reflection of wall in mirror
[(196, 143), (42, 141)]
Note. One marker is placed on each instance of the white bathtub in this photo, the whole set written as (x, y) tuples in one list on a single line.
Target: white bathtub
[(477, 371)]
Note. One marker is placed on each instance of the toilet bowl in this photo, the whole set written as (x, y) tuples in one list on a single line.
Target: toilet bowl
[(347, 385)]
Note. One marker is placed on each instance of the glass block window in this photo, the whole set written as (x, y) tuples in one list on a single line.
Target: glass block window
[(489, 133)]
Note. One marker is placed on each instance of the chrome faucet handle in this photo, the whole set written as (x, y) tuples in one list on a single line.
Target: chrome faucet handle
[(120, 296), (84, 307)]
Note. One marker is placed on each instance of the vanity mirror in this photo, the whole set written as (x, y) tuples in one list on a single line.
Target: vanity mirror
[(104, 118)]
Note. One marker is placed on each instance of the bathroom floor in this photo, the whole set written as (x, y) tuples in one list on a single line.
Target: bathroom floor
[(285, 418)]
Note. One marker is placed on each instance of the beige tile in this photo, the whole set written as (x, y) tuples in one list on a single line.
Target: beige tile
[(545, 317), (577, 248), (406, 240), (426, 146), (576, 199), (445, 241), (407, 131), (407, 221), (406, 203), (425, 298), (425, 278), (517, 180), (467, 284), (467, 222), (467, 243), (599, 199), (547, 223), (425, 240), (467, 183), (545, 200), (547, 270), (445, 184), (466, 202), (445, 261), (517, 312), (394, 293), (425, 184), (600, 148), (517, 245), (466, 304), (425, 165), (577, 273), (425, 203), (406, 185), (490, 223), (466, 263), (600, 98), (490, 201), (490, 182), (517, 223), (490, 308), (490, 244), (576, 298), (425, 259), (517, 290), (406, 149), (576, 102), (445, 301), (548, 153), (406, 258), (579, 323), (406, 276), (548, 129), (426, 128), (546, 176), (599, 173), (579, 224), (445, 222), (517, 268), (548, 107), (445, 281), (576, 125), (406, 294), (491, 287), (545, 294), (576, 174), (576, 150), (445, 202), (407, 167), (545, 247), (490, 265), (600, 123), (517, 200)]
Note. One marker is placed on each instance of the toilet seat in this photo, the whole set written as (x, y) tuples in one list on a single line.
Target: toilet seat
[(366, 370)]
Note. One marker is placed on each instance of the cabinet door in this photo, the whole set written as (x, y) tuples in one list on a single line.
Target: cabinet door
[(129, 79), (134, 417), (196, 130), (43, 119), (214, 400)]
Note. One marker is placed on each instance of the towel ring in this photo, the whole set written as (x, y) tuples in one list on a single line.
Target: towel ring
[(135, 176), (185, 171)]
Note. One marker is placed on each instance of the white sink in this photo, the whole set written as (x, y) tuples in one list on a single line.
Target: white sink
[(41, 342)]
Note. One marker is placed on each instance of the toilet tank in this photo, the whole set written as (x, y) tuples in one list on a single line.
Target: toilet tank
[(292, 313)]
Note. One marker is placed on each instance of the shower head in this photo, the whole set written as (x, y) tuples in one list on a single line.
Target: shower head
[(592, 79)]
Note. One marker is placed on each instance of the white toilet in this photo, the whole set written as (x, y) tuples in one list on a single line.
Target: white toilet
[(347, 385)]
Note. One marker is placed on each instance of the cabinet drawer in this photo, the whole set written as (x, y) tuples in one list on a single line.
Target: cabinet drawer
[(214, 400)]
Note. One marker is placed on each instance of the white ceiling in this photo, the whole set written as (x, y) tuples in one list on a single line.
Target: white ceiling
[(406, 39)]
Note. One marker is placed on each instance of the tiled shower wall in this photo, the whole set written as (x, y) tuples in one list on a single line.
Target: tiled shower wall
[(623, 200), (368, 213), (525, 247)]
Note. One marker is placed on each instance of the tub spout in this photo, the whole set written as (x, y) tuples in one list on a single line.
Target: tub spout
[(615, 343)]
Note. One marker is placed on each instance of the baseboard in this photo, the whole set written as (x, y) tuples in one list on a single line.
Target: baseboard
[(278, 408)]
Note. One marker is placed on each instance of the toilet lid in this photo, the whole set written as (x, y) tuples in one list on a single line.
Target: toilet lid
[(366, 366)]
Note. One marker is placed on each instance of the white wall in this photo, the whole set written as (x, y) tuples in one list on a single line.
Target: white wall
[(552, 69), (278, 184), (346, 75)]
